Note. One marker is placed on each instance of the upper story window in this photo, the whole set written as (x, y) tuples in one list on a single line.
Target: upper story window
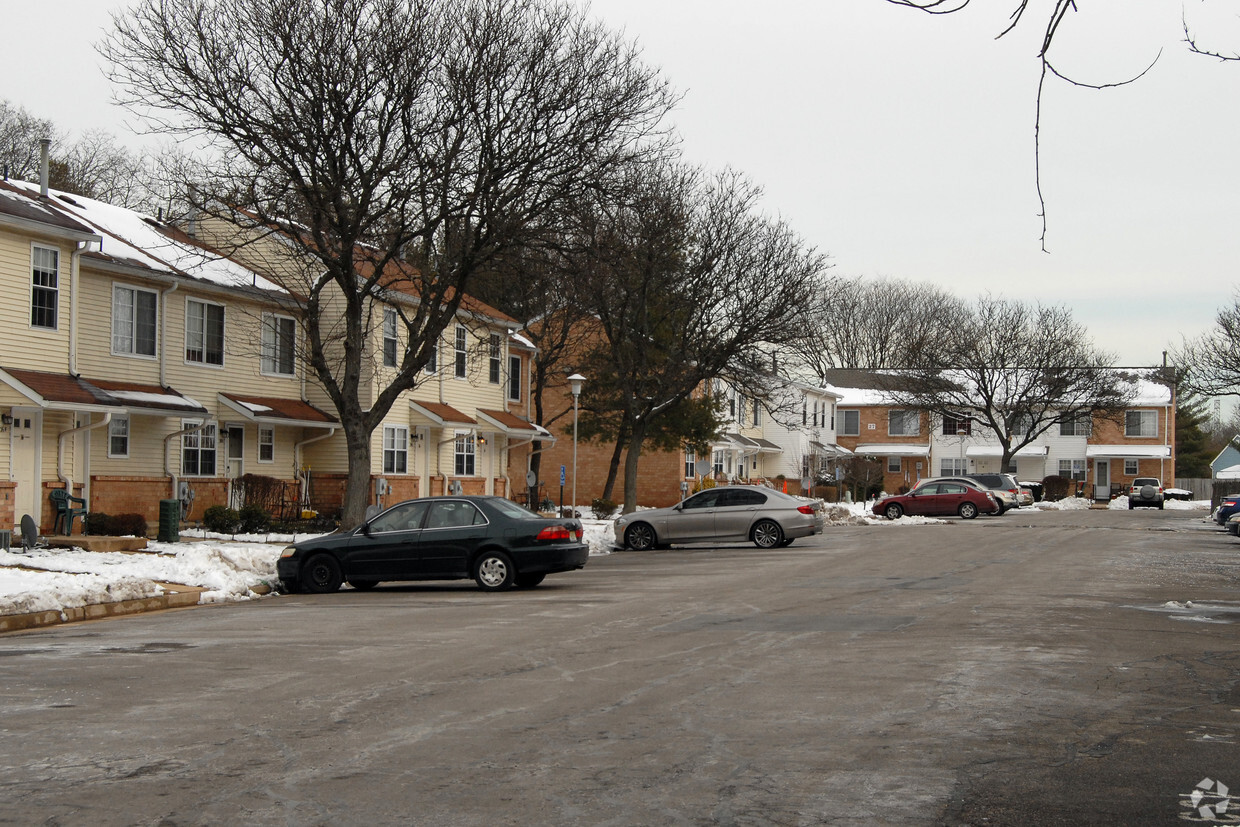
[(45, 286), (279, 338), (118, 436), (1075, 424), (389, 337), (815, 413), (514, 378), (757, 412), (432, 361), (741, 409), (957, 426), (462, 352), (494, 363), (903, 423), (850, 423), (204, 332), (133, 320), (1140, 423)]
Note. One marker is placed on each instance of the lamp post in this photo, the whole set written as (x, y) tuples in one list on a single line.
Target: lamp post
[(575, 384)]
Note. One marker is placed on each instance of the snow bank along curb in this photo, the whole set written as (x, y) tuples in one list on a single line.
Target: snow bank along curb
[(174, 597)]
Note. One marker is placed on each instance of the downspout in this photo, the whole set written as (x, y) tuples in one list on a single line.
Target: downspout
[(60, 451), (167, 462), (301, 480), (74, 269), (163, 330)]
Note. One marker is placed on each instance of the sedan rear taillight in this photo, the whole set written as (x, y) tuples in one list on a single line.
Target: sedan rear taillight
[(805, 509), (560, 532)]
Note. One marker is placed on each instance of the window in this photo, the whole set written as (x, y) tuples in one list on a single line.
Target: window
[(198, 451), (732, 406), (1072, 469), (953, 466), (204, 332), (893, 465), (903, 423), (850, 423), (493, 366), (389, 337), (465, 455), (804, 412), (403, 517), (395, 449), (45, 286), (1022, 423), (741, 409), (1074, 424), (279, 337), (717, 462), (514, 378), (1141, 423), (133, 321), (118, 437), (815, 413), (690, 462), (461, 354), (432, 361), (266, 443), (757, 412), (1132, 467), (957, 426), (453, 514)]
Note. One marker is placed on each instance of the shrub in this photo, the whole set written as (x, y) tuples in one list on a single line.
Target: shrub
[(115, 525), (1055, 487), (254, 519), (603, 509), (99, 523), (221, 519)]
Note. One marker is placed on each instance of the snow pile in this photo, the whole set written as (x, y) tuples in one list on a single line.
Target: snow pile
[(1066, 504), (600, 536), (22, 592), (1120, 503)]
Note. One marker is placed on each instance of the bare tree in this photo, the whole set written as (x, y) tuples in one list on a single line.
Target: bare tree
[(96, 166), (410, 143), (20, 133), (1210, 364), (688, 282), (876, 325), (1016, 370)]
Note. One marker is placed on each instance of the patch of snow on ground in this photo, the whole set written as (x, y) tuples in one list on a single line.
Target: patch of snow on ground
[(1066, 504)]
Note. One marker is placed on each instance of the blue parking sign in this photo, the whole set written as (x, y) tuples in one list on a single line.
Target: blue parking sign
[(562, 475)]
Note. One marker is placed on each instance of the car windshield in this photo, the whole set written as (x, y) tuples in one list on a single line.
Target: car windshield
[(1145, 481)]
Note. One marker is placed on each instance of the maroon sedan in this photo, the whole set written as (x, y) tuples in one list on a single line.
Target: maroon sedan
[(938, 499)]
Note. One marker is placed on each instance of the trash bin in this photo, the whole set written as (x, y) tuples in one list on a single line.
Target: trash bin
[(169, 521)]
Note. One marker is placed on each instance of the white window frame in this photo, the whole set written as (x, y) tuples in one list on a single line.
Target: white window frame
[(395, 449), (908, 418), (125, 342), (204, 335), (495, 355), (514, 378), (1132, 467), (266, 443), (1147, 424), (690, 462), (118, 429), (465, 456), (1078, 424), (432, 361), (844, 415), (895, 464), (757, 413), (460, 368), (1073, 469), (272, 353), (50, 286), (391, 342), (953, 466), (197, 443)]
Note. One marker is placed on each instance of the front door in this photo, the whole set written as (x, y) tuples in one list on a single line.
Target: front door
[(1102, 479), (26, 452), (235, 465)]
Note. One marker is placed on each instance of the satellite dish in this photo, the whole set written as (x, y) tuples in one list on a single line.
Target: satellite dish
[(702, 467), (531, 479)]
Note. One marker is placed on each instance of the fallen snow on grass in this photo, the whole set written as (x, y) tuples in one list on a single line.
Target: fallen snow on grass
[(22, 592)]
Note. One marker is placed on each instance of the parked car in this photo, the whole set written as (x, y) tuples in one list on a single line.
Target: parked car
[(1145, 491), (939, 498), (493, 540), (1229, 505), (763, 516), (1233, 525), (1005, 488)]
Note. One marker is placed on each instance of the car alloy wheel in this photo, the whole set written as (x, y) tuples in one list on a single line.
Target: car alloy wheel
[(767, 534), (639, 537), (968, 511), (893, 512)]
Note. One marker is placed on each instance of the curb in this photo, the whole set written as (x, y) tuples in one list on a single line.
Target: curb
[(175, 596)]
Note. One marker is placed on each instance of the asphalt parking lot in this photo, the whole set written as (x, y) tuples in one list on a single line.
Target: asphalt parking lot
[(1048, 668)]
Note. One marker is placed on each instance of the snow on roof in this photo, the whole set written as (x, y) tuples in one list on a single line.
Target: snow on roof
[(144, 242), (162, 400)]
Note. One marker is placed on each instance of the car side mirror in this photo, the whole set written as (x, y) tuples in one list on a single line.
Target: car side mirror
[(366, 529)]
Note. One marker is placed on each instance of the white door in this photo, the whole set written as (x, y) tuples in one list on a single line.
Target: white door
[(235, 463), (26, 457), (1102, 479)]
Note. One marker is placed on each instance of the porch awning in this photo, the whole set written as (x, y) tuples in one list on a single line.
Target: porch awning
[(513, 425), (830, 450), (737, 441), (444, 416), (1128, 451), (61, 391), (270, 410), (997, 451), (893, 449), (765, 446)]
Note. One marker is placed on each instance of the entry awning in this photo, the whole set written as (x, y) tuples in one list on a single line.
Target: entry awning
[(738, 441), (765, 446), (1128, 451), (513, 425), (996, 451), (830, 450), (270, 410), (893, 449), (444, 416), (61, 391)]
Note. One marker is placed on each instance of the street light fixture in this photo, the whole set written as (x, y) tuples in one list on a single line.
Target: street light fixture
[(574, 382)]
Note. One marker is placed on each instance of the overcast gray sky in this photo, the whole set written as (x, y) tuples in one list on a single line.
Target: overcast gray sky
[(901, 144)]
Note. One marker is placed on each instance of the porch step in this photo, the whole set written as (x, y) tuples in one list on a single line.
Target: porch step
[(92, 543)]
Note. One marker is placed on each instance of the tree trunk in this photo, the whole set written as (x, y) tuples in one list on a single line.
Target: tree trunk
[(613, 469), (357, 484), (630, 467)]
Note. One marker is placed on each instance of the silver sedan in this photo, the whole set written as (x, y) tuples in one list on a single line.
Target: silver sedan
[(764, 516)]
